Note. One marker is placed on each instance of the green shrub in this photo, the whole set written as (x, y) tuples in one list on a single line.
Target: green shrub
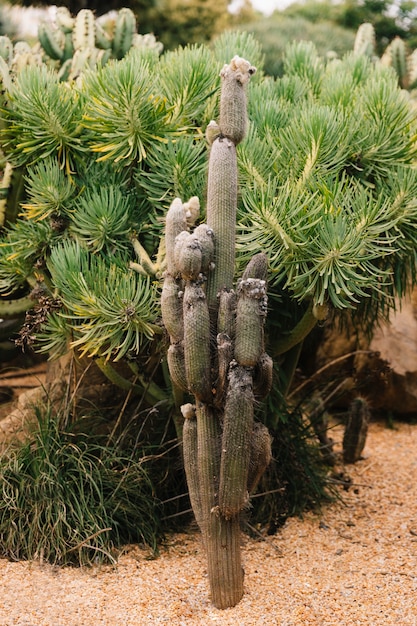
[(71, 497), (276, 32)]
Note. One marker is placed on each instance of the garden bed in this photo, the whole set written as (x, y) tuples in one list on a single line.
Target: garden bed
[(353, 564)]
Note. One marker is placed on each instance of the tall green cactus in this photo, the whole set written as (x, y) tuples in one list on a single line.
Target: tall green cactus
[(225, 452)]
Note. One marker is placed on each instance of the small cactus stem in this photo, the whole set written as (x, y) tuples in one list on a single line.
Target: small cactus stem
[(263, 376), (260, 455), (399, 61), (212, 132), (5, 79), (52, 41), (68, 47), (189, 257), (365, 40), (224, 357), (356, 430), (209, 447), (233, 115), (10, 210), (4, 191), (172, 307), (80, 62), (124, 30), (192, 210), (226, 318), (250, 320), (412, 70), (102, 40), (190, 455), (237, 431), (84, 30), (6, 49), (297, 334), (180, 241), (257, 267), (176, 222), (205, 237), (144, 258), (64, 20), (197, 342), (176, 365), (221, 215), (12, 308)]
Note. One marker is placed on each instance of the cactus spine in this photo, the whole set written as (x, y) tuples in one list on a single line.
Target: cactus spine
[(219, 333)]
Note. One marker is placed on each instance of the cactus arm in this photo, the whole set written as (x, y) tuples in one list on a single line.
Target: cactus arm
[(151, 269), (197, 342), (4, 189), (124, 30), (233, 117), (176, 364), (83, 35), (250, 316), (260, 455), (52, 41), (176, 222), (190, 455), (11, 193), (237, 431), (102, 39), (221, 214), (13, 308)]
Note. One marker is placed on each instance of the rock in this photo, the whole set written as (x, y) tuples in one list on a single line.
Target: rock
[(16, 424), (386, 375)]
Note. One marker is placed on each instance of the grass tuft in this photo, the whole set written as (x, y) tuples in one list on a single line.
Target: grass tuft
[(68, 498)]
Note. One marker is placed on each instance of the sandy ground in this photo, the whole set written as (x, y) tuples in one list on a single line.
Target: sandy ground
[(355, 564)]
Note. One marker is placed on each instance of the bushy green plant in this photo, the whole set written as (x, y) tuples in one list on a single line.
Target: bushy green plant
[(72, 497), (327, 182)]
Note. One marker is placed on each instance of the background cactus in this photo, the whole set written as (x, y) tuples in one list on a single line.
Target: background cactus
[(356, 430), (80, 42), (225, 454)]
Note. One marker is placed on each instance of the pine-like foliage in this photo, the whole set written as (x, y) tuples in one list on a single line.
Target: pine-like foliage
[(327, 178)]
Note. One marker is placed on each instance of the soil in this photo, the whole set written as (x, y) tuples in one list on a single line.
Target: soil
[(352, 564)]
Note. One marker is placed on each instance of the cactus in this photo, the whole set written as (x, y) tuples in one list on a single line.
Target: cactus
[(217, 348), (75, 44), (365, 40), (356, 429), (124, 30), (395, 56)]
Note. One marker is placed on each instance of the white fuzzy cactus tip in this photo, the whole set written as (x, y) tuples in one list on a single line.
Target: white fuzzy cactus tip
[(241, 68)]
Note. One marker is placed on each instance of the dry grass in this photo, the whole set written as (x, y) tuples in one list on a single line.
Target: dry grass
[(354, 565)]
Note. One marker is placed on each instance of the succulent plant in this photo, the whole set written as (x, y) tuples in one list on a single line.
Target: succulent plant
[(356, 430), (225, 453)]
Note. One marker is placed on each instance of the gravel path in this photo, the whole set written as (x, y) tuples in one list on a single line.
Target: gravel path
[(355, 564)]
